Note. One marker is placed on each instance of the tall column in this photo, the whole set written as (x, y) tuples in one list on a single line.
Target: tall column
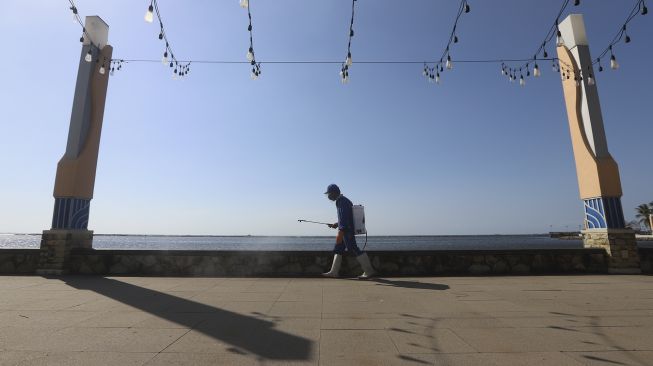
[(597, 171), (75, 179)]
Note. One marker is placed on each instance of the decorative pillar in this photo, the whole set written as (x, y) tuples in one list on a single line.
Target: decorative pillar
[(598, 173), (75, 179)]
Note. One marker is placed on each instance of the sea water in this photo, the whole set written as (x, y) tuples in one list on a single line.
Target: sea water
[(303, 243)]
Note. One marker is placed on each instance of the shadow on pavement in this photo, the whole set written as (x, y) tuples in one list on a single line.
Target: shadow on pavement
[(243, 333), (410, 284)]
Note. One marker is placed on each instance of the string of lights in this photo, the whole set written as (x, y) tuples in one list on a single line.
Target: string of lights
[(512, 72), (639, 8), (93, 46), (180, 69), (344, 69), (251, 58), (433, 73)]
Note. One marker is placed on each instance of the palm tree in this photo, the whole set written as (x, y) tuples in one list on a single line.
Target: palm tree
[(644, 211)]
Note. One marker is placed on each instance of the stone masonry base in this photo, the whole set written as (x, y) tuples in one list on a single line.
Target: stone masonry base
[(56, 246), (620, 247)]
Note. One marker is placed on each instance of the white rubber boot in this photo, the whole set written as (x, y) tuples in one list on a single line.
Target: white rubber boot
[(368, 270), (335, 267)]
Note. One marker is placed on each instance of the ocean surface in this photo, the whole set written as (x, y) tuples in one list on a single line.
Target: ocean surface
[(304, 243)]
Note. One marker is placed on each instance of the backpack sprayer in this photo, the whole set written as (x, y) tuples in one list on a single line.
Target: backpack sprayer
[(359, 222)]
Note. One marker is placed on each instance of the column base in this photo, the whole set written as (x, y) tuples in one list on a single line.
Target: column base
[(55, 249), (620, 246)]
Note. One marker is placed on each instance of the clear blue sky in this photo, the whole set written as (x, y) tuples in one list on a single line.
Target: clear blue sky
[(219, 153)]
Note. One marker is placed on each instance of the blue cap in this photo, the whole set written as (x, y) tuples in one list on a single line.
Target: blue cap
[(332, 188)]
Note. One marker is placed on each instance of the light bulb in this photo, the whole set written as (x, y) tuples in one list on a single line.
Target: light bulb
[(149, 15), (102, 70), (590, 81), (449, 63), (536, 71), (254, 76), (164, 60), (437, 78), (613, 63), (250, 55), (559, 40), (89, 56), (244, 4), (112, 71), (467, 8), (348, 61), (522, 82)]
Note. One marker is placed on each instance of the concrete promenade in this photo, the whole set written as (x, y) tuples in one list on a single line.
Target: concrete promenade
[(553, 320)]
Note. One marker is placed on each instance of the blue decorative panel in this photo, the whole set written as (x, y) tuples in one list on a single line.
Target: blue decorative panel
[(604, 213), (70, 213)]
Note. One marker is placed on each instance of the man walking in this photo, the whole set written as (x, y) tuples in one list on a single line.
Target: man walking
[(346, 240)]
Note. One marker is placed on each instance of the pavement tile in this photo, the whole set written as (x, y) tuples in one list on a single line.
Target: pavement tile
[(138, 340), (263, 343), (115, 319), (533, 340), (17, 357), (89, 358), (42, 318), (613, 358), (339, 343), (296, 308), (428, 341), (378, 359)]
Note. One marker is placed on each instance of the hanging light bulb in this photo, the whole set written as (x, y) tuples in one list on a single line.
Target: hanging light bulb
[(627, 39), (149, 15), (559, 40), (590, 81), (437, 78), (102, 70), (536, 70), (449, 63), (164, 60), (112, 71), (613, 63), (576, 2), (348, 61), (522, 82), (244, 4), (455, 38), (89, 56), (250, 54), (644, 9), (467, 9), (74, 13), (254, 75)]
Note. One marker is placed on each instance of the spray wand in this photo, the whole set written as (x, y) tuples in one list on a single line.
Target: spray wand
[(314, 222)]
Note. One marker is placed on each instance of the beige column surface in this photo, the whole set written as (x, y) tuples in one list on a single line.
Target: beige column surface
[(76, 177)]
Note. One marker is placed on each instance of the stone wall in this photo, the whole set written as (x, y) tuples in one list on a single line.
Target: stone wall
[(244, 263), (19, 261), (285, 263), (646, 259)]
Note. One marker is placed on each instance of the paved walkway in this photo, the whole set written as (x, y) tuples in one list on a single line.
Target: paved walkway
[(571, 320)]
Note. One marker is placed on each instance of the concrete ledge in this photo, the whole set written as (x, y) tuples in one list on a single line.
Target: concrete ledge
[(287, 263)]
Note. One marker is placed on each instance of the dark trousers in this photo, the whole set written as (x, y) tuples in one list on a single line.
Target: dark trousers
[(348, 244)]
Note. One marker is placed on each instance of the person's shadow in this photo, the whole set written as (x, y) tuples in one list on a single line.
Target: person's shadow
[(243, 333), (409, 284)]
